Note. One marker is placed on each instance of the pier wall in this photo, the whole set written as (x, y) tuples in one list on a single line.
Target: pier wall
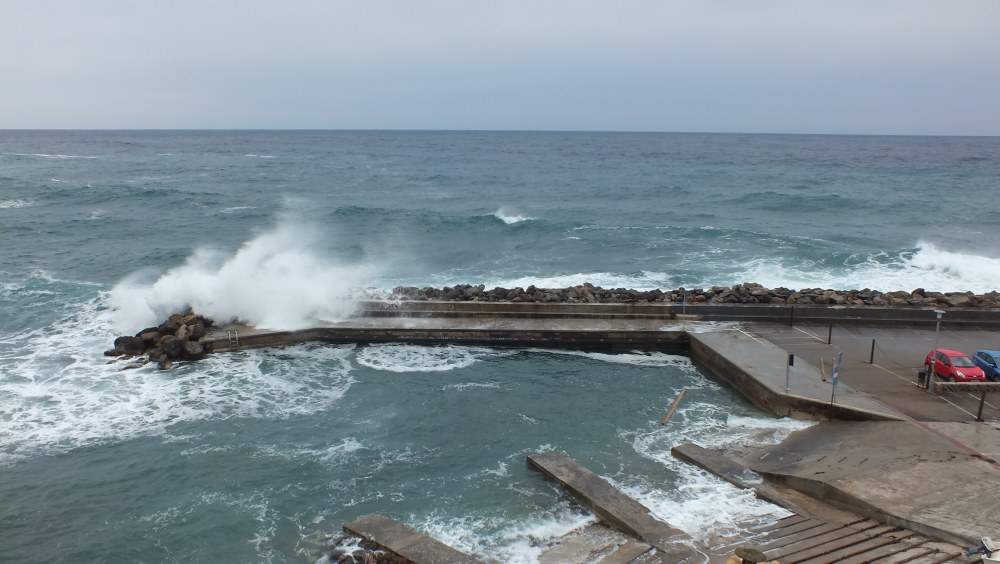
[(611, 340), (771, 313)]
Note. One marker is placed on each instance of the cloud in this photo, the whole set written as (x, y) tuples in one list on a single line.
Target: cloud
[(885, 67)]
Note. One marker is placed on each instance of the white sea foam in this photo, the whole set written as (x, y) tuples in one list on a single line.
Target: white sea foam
[(15, 204), (637, 358), (279, 280), (48, 156), (509, 216), (516, 543), (396, 357), (236, 209), (472, 385), (60, 393), (930, 267), (699, 326), (701, 504), (644, 280)]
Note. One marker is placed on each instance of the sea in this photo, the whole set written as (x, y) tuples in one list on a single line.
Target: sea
[(263, 455)]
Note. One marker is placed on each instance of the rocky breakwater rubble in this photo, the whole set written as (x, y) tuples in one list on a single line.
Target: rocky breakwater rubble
[(175, 339), (746, 293)]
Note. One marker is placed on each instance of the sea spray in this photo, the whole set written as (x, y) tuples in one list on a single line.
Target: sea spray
[(278, 280)]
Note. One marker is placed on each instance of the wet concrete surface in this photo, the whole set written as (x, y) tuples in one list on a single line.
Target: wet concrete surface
[(898, 356), (935, 471)]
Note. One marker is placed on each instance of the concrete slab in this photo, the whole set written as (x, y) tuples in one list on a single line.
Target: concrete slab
[(595, 542), (613, 506), (406, 542), (759, 369), (890, 374), (894, 472)]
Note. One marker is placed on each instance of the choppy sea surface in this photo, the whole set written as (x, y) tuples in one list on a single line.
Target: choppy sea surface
[(263, 455)]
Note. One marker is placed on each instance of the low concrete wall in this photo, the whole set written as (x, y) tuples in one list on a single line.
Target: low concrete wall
[(613, 340), (778, 313)]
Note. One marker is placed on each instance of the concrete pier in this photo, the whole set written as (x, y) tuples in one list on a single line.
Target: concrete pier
[(405, 542), (613, 506), (896, 455)]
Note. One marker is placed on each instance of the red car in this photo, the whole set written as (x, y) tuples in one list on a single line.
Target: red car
[(954, 366)]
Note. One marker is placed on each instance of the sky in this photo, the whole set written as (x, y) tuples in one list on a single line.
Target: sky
[(895, 67)]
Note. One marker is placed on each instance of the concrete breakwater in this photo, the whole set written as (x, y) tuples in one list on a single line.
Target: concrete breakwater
[(746, 293)]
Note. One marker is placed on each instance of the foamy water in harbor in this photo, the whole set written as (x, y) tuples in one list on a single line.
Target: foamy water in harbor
[(261, 455)]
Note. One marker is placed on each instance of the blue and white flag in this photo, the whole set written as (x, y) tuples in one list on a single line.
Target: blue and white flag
[(836, 367)]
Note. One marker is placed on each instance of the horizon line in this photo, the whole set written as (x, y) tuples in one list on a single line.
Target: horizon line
[(425, 130)]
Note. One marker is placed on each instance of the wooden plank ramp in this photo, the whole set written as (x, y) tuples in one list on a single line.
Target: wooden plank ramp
[(796, 540), (615, 508), (405, 542), (801, 539)]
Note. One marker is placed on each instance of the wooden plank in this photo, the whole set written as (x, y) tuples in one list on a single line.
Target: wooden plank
[(820, 540), (673, 407), (791, 530), (906, 541), (851, 550), (612, 505), (825, 529), (831, 546), (784, 522), (913, 554), (404, 541), (949, 557)]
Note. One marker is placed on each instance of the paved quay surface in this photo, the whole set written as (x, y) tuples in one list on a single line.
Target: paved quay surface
[(899, 355), (934, 471)]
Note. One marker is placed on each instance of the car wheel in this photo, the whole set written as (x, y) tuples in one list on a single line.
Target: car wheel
[(951, 378)]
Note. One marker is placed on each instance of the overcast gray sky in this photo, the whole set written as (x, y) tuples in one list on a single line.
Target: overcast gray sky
[(796, 66)]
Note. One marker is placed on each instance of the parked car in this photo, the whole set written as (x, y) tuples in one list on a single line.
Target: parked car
[(954, 366), (988, 361)]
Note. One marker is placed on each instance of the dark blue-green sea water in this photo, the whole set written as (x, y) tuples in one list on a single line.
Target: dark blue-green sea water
[(261, 456)]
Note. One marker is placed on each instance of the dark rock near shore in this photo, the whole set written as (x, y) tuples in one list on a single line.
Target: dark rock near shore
[(746, 293), (174, 339), (130, 345)]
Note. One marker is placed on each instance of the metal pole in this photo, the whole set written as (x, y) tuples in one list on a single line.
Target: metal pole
[(788, 371), (829, 334), (836, 371), (930, 372), (871, 357)]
